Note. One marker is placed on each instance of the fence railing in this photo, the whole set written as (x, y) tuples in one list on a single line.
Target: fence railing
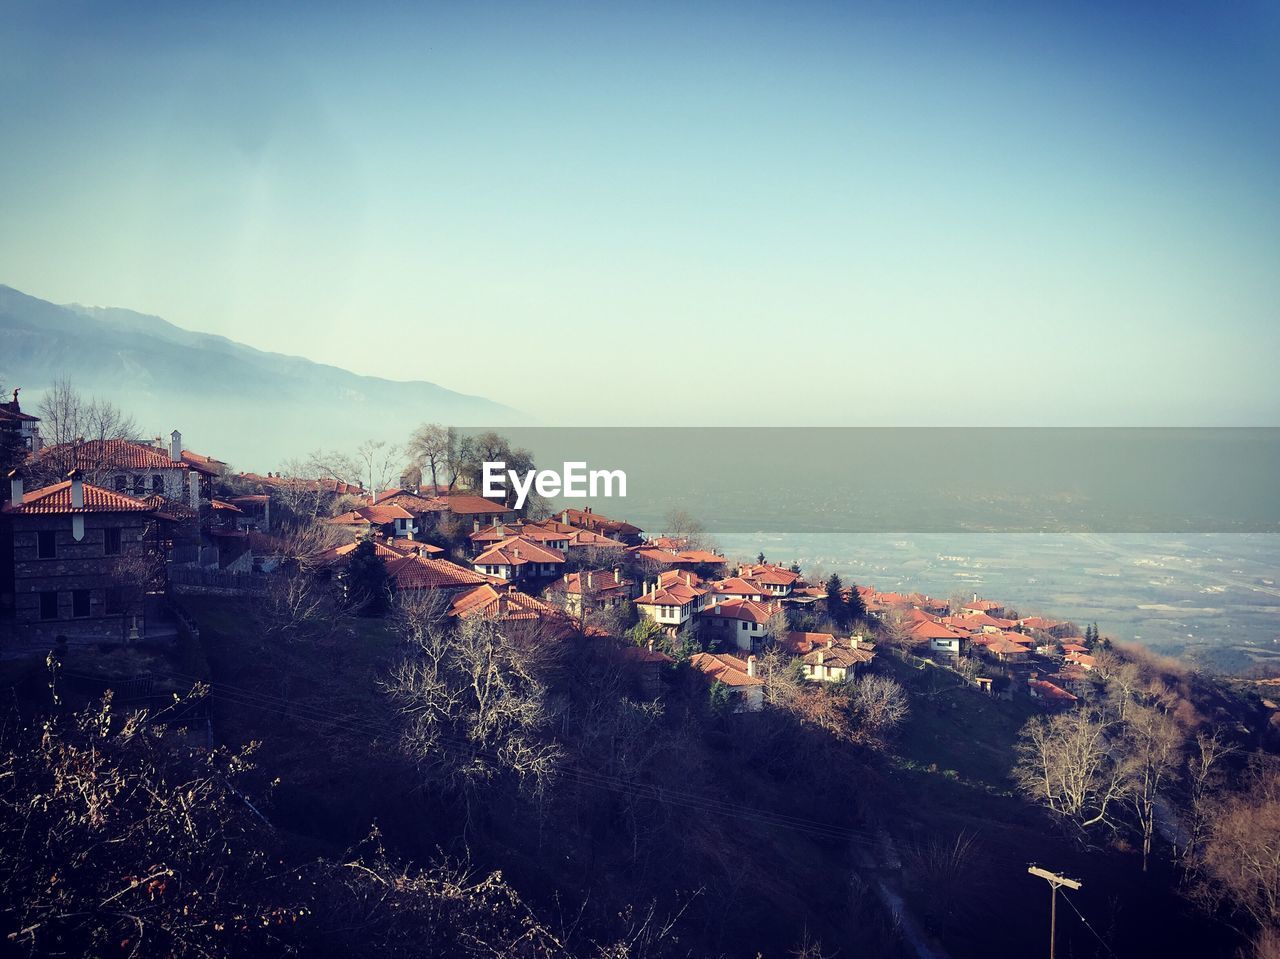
[(195, 577)]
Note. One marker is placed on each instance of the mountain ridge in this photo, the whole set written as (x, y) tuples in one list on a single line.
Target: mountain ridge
[(211, 386)]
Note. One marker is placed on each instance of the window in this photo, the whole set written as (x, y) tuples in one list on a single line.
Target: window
[(744, 626), (122, 482), (49, 605), (80, 603), (46, 544), (157, 483), (115, 601), (111, 541)]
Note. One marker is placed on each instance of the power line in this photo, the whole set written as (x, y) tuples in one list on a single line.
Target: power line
[(1105, 945)]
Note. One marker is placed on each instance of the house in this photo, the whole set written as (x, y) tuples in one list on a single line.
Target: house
[(1072, 678), (833, 662), (776, 580), (255, 511), (976, 605), (937, 637), (586, 518), (518, 558), (385, 519), (672, 601), (1005, 650), (425, 510), (1083, 660), (132, 467), (656, 557), (735, 587), (644, 666), (593, 590), (746, 689), (1054, 627), (503, 603), (949, 646), (429, 573), (741, 622), (469, 508), (1049, 695), (79, 561), (482, 538), (24, 425)]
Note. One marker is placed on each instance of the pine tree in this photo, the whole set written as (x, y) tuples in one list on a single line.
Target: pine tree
[(857, 609), (836, 608)]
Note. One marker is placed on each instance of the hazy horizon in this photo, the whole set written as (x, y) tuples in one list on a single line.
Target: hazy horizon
[(1001, 215)]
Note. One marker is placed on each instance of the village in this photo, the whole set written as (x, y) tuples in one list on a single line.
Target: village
[(100, 539)]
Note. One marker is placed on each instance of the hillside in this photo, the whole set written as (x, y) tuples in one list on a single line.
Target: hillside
[(209, 387)]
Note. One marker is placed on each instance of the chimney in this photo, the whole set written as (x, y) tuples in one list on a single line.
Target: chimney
[(855, 642), (975, 597), (617, 575), (175, 446), (475, 524), (15, 488), (821, 654), (589, 579), (564, 517), (751, 666), (77, 489), (831, 643)]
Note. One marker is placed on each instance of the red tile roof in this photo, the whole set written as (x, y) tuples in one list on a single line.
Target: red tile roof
[(517, 551), (727, 669), (800, 643), (109, 454), (423, 572), (502, 603), (769, 575), (588, 519), (744, 609), (56, 500), (600, 580), (203, 464), (467, 504), (415, 504), (1045, 690)]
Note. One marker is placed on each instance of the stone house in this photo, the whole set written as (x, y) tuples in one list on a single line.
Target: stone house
[(78, 561)]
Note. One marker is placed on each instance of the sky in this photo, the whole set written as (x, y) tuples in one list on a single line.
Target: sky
[(690, 214)]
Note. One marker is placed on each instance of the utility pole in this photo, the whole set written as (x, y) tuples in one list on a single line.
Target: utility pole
[(1054, 881)]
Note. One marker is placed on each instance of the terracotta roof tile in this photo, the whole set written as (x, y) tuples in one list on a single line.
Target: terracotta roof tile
[(56, 500)]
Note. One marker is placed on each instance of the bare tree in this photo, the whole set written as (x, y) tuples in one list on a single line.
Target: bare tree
[(433, 448), (380, 464), (1066, 764), (1153, 752), (473, 709), (76, 432), (682, 525), (1242, 853), (1204, 779), (878, 706)]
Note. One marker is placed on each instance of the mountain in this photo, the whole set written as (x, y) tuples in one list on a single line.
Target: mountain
[(251, 408)]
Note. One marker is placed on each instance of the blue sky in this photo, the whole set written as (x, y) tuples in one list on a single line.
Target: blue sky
[(738, 213)]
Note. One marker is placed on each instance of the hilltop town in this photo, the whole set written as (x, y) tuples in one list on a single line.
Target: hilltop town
[(575, 700)]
